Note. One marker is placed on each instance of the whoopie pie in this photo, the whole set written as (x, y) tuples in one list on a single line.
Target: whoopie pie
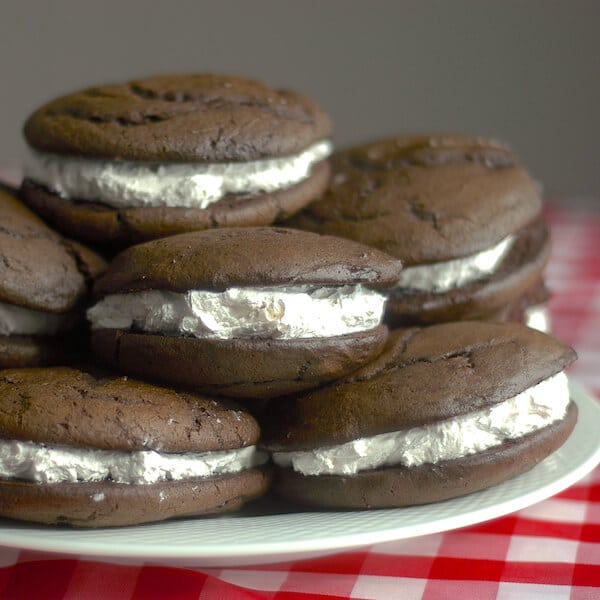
[(461, 214), (89, 450), (45, 282), (248, 312), (124, 163), (444, 411)]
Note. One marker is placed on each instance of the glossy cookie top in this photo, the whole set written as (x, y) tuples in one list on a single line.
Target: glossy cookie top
[(425, 198), (253, 256), (422, 376), (179, 118)]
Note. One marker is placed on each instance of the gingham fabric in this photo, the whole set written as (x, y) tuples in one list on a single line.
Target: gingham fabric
[(549, 551)]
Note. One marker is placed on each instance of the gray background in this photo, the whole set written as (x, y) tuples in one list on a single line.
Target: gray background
[(527, 72)]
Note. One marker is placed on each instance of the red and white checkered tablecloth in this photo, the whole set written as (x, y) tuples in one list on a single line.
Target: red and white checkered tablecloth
[(549, 551)]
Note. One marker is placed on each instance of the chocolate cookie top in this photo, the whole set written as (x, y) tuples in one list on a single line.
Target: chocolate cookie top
[(39, 269), (423, 376), (69, 407), (263, 256), (191, 118), (425, 198)]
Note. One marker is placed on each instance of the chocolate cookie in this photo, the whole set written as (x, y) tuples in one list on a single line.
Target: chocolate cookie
[(515, 278), (252, 312), (86, 451), (531, 308), (459, 212), (120, 164), (44, 283), (443, 411)]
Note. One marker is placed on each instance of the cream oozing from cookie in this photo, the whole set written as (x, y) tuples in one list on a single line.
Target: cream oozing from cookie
[(538, 317), (126, 184), (54, 464), (18, 320), (529, 411), (443, 276), (276, 312)]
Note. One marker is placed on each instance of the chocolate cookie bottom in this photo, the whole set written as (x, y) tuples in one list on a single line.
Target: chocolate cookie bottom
[(404, 486), (243, 368), (519, 274), (104, 504), (116, 228)]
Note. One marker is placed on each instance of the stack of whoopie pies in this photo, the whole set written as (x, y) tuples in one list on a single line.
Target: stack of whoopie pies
[(340, 320)]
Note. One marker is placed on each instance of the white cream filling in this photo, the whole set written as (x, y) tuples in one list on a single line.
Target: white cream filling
[(54, 464), (527, 412), (537, 317), (17, 320), (277, 312), (443, 276), (125, 184)]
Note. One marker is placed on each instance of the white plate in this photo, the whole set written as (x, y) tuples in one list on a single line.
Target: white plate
[(248, 538)]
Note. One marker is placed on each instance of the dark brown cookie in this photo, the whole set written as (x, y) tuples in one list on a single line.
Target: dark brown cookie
[(432, 199), (241, 368), (43, 278), (425, 199), (485, 298), (423, 379), (422, 376), (39, 269), (531, 308), (165, 122), (106, 504), (64, 410), (252, 365), (403, 486), (64, 406), (178, 118), (110, 227), (259, 257)]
